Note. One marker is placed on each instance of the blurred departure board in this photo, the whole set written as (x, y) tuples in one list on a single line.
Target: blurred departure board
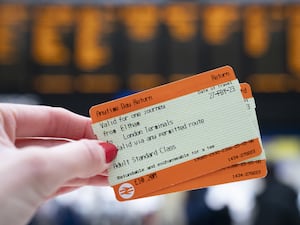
[(15, 63), (66, 52)]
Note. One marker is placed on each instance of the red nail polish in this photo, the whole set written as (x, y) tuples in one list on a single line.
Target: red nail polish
[(110, 151)]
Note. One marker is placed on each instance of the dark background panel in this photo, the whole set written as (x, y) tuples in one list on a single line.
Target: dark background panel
[(78, 55)]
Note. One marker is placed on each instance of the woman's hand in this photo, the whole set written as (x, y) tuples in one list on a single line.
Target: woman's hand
[(45, 151)]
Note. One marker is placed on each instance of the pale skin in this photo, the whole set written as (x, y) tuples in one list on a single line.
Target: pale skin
[(44, 152)]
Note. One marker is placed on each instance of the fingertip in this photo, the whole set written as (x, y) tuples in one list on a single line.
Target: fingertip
[(110, 151), (89, 133)]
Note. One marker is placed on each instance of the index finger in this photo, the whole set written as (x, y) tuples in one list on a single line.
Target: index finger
[(44, 121)]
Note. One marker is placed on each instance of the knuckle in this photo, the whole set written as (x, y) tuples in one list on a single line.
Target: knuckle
[(35, 166), (36, 172), (92, 154)]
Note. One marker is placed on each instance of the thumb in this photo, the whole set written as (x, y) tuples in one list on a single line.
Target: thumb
[(81, 159), (30, 176), (50, 168)]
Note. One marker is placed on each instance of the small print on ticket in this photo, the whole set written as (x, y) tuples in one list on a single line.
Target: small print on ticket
[(176, 132)]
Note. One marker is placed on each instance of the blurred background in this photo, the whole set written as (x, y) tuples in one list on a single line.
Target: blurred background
[(76, 54)]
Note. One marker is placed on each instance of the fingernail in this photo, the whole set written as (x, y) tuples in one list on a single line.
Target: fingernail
[(110, 151)]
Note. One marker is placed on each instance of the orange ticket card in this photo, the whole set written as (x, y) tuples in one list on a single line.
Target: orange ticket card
[(198, 124), (250, 169)]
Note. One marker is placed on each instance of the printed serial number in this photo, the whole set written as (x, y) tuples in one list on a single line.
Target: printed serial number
[(246, 174)]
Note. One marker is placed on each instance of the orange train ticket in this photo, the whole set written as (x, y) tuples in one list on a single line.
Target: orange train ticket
[(198, 124), (250, 169)]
